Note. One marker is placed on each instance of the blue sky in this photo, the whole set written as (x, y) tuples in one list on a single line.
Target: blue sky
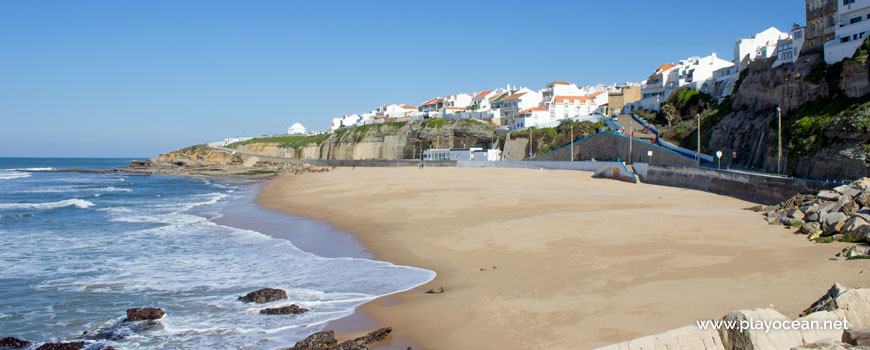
[(137, 78)]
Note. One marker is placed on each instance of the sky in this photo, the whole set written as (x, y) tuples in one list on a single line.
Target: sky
[(140, 78)]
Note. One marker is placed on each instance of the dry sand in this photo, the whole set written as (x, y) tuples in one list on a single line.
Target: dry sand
[(581, 262)]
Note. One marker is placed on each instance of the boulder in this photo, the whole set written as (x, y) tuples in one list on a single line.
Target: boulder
[(123, 330), (833, 222), (853, 224), (438, 290), (864, 213), (858, 235), (62, 346), (857, 336), (812, 335), (265, 295), (793, 222), (317, 341), (827, 301), (862, 184), (829, 195), (827, 344), (814, 216), (810, 228), (689, 337), (12, 342), (145, 313), (847, 190), (740, 339), (284, 310), (795, 214), (850, 208), (362, 343), (850, 304), (864, 198)]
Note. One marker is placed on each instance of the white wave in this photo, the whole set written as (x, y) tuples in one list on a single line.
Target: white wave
[(32, 169), (113, 189), (78, 203), (8, 175), (115, 210)]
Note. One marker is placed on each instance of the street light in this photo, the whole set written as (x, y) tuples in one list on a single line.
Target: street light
[(699, 137), (719, 155), (649, 154), (778, 139)]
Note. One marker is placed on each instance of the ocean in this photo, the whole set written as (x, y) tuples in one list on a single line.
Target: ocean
[(77, 250)]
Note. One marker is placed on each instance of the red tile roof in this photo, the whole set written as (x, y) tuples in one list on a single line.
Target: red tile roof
[(595, 94), (431, 101), (455, 108), (665, 67), (483, 94), (408, 107), (514, 97), (539, 108)]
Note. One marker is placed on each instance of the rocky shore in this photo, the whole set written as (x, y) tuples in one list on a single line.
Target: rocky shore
[(838, 304), (842, 215)]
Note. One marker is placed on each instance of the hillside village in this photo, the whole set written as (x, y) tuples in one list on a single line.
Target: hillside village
[(691, 106)]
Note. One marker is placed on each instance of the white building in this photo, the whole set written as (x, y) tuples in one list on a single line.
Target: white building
[(788, 50), (695, 72), (347, 120), (560, 88), (529, 117), (761, 45), (521, 99), (296, 129), (393, 111), (232, 140), (462, 154), (481, 101), (852, 27)]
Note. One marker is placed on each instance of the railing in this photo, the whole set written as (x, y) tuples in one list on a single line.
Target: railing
[(686, 152)]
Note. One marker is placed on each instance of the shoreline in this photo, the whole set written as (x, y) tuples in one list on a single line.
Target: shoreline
[(581, 287), (312, 236)]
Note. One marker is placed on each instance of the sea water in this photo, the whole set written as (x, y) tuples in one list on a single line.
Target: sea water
[(77, 250)]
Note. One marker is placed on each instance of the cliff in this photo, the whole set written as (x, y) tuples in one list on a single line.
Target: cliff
[(824, 126), (402, 140)]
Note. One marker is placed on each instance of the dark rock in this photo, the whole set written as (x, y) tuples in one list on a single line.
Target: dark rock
[(62, 346), (863, 199), (123, 330), (814, 216), (284, 310), (810, 228), (857, 336), (145, 313), (11, 342), (362, 342), (438, 290), (795, 214), (265, 295), (317, 341), (859, 235), (829, 195), (827, 302), (756, 208)]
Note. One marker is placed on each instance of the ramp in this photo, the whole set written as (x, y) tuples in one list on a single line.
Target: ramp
[(620, 173)]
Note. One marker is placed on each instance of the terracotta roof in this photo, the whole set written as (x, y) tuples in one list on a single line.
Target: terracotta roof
[(514, 97), (558, 82), (595, 94), (560, 99), (483, 94), (431, 101), (539, 108), (408, 107), (665, 67), (500, 97), (458, 108)]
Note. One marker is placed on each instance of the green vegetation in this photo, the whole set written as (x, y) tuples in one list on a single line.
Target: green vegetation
[(435, 122), (288, 141), (549, 139), (709, 119), (824, 240), (813, 126), (859, 257)]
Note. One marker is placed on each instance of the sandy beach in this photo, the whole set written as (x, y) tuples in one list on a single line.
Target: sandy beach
[(556, 259)]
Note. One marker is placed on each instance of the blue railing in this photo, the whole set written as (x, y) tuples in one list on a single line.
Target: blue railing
[(686, 152)]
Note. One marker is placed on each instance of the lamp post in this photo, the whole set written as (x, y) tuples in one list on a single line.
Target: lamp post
[(649, 154), (719, 155), (572, 140), (531, 141), (630, 140)]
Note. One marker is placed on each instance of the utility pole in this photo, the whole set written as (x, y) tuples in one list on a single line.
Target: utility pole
[(699, 138), (778, 139), (572, 140), (630, 140), (531, 141)]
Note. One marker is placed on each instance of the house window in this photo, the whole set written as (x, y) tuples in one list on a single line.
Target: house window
[(855, 20), (846, 2), (844, 40)]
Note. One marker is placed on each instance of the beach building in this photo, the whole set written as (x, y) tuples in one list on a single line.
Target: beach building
[(296, 129), (788, 50), (851, 29), (462, 154), (821, 16), (758, 46)]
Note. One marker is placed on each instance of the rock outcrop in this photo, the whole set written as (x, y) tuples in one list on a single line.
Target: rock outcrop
[(62, 346), (14, 343), (857, 336), (265, 295), (284, 310), (326, 341), (145, 313)]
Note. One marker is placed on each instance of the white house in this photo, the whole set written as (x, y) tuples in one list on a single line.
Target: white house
[(852, 27), (758, 46), (695, 72), (436, 107), (346, 121), (560, 88), (296, 129), (529, 117), (481, 101), (788, 50), (524, 98)]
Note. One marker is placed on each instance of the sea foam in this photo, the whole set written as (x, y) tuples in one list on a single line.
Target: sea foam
[(75, 202)]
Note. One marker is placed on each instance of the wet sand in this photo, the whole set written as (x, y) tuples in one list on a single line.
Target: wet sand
[(579, 262)]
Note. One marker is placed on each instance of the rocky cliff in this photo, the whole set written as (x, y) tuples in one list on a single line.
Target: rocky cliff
[(820, 139)]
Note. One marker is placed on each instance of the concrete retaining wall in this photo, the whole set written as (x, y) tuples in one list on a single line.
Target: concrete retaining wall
[(610, 146), (751, 187)]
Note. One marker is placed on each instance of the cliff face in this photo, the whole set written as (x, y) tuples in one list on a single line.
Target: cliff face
[(199, 156), (751, 129)]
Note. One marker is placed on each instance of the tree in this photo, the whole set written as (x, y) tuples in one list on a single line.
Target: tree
[(671, 113)]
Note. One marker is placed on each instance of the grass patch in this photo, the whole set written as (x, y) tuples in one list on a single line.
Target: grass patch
[(288, 141), (259, 172), (859, 257), (824, 240), (550, 139)]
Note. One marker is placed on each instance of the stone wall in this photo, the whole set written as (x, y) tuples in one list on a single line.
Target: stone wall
[(609, 146), (747, 186)]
